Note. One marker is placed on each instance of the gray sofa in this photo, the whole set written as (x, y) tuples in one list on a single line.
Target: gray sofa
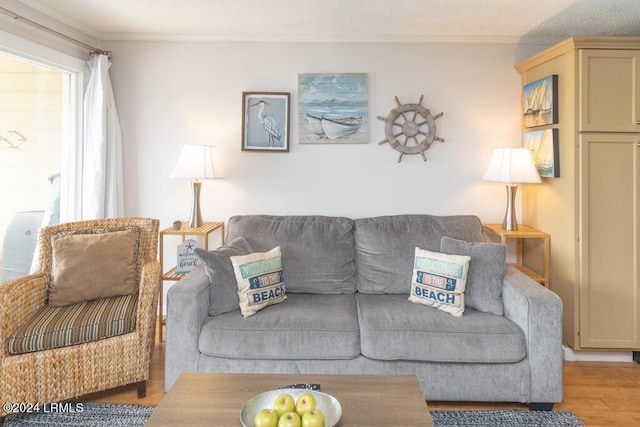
[(347, 311)]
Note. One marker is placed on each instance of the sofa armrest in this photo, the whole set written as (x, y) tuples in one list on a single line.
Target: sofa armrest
[(187, 309), (538, 311), (19, 299)]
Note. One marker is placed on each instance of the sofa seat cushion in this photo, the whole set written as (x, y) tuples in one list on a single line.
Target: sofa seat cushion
[(53, 327), (304, 326), (392, 328)]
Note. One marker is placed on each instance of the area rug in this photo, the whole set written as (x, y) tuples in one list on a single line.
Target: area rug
[(505, 418), (83, 415), (105, 415)]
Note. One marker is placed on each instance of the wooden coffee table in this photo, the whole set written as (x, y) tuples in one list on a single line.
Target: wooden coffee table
[(367, 400)]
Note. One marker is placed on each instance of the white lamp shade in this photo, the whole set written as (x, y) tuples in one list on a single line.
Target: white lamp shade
[(512, 165), (198, 162)]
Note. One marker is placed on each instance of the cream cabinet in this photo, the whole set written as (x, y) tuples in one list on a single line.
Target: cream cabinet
[(609, 90), (592, 209), (609, 244)]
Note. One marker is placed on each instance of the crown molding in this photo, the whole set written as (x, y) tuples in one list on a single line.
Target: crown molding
[(332, 38), (574, 43)]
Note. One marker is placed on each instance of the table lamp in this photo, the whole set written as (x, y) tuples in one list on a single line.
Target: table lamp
[(197, 162), (512, 166)]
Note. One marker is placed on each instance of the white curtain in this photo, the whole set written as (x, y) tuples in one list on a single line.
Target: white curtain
[(102, 186)]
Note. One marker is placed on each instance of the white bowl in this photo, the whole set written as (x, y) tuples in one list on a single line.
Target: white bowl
[(326, 403)]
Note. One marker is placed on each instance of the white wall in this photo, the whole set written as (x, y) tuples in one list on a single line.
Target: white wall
[(172, 93)]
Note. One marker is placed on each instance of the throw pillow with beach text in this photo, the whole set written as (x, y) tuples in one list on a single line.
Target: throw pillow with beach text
[(439, 280), (260, 280)]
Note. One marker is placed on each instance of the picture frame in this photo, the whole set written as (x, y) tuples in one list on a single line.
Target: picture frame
[(540, 102), (545, 151), (333, 108), (265, 121)]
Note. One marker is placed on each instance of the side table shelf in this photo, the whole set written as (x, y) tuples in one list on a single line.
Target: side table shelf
[(203, 231), (524, 232)]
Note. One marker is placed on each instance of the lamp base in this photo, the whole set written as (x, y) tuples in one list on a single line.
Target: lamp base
[(195, 218), (510, 222)]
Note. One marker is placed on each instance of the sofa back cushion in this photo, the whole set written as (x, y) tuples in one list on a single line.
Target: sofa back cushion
[(318, 252), (386, 246), (486, 273)]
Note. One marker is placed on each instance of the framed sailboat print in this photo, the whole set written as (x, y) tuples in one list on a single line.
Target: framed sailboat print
[(543, 145), (333, 108), (540, 102)]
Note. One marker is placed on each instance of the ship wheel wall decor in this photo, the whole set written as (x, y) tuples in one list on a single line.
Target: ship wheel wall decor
[(410, 129)]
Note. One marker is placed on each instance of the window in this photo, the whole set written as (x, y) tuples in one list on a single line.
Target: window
[(43, 106)]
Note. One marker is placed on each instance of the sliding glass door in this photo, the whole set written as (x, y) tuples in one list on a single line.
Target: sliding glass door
[(40, 134)]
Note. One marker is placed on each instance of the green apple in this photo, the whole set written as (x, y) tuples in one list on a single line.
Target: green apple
[(289, 419), (306, 402), (284, 403), (313, 418), (266, 418)]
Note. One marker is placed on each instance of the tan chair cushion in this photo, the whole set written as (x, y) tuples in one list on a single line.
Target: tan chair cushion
[(91, 266), (53, 327)]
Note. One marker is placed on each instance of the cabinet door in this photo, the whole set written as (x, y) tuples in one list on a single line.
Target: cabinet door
[(609, 90), (609, 241)]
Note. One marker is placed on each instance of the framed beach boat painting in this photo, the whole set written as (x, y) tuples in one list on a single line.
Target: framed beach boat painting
[(265, 121), (544, 148), (540, 102), (333, 108)]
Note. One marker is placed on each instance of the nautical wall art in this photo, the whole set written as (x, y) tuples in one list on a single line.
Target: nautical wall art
[(544, 148), (265, 121), (410, 129), (540, 102), (333, 108)]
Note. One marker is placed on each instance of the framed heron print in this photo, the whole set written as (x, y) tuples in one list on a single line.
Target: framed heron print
[(265, 121)]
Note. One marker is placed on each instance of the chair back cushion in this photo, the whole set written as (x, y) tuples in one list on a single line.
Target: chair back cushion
[(91, 266), (146, 230)]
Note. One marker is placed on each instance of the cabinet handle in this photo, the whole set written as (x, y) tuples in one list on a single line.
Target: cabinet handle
[(638, 122)]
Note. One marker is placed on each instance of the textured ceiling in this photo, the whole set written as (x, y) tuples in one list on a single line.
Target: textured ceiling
[(344, 20)]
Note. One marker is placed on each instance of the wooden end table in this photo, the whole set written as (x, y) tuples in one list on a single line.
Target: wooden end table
[(525, 232), (203, 231), (367, 400)]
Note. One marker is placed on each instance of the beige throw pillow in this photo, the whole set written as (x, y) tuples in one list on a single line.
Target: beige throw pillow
[(92, 266), (259, 279), (439, 280)]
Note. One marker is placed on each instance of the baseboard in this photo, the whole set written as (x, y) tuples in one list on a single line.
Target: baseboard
[(572, 355)]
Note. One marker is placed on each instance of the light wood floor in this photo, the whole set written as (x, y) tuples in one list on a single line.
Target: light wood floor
[(601, 394)]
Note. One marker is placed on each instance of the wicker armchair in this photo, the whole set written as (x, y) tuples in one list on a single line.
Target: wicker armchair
[(73, 370)]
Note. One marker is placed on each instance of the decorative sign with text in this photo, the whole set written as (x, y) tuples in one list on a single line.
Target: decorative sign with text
[(187, 259)]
